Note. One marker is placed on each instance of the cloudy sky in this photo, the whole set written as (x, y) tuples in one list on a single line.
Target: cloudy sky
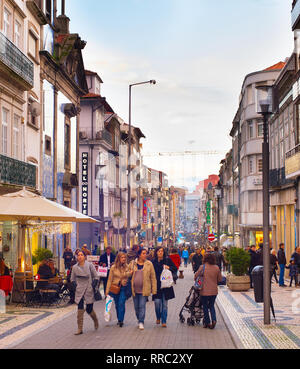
[(198, 51)]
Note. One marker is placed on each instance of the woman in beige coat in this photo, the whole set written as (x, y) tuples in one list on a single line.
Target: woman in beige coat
[(211, 276), (118, 276), (143, 284)]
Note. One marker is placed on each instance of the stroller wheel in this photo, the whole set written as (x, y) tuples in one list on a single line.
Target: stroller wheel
[(182, 319), (190, 321)]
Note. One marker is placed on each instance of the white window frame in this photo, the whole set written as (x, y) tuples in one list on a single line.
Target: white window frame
[(18, 32), (16, 137), (6, 22), (4, 131)]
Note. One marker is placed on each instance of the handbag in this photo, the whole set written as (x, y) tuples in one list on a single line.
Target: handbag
[(115, 289), (199, 282), (95, 285), (128, 290)]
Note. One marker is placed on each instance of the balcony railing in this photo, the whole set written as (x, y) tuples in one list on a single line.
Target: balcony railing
[(16, 61), (17, 172)]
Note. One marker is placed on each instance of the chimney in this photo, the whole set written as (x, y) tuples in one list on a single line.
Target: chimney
[(62, 21)]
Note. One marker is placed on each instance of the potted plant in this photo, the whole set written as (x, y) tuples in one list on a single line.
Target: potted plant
[(41, 254), (239, 259)]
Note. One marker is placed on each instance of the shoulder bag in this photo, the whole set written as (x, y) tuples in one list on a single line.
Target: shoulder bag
[(199, 282), (95, 285)]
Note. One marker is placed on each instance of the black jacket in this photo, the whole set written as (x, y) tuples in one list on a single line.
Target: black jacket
[(158, 267), (253, 259), (296, 257), (260, 257), (44, 272), (103, 259), (196, 262), (281, 257)]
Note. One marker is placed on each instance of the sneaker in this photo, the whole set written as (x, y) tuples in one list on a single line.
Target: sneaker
[(164, 325), (158, 321), (141, 326)]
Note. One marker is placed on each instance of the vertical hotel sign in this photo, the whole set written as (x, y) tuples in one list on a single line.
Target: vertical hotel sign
[(84, 180)]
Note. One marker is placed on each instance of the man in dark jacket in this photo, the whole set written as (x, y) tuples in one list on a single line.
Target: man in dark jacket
[(68, 256), (197, 260), (296, 257), (282, 262), (253, 261), (106, 260), (219, 257)]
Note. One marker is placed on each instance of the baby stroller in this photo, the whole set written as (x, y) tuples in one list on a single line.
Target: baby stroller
[(193, 306)]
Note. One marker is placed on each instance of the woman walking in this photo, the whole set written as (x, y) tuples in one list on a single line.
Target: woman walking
[(274, 264), (143, 284), (161, 298), (118, 278), (82, 276), (211, 276)]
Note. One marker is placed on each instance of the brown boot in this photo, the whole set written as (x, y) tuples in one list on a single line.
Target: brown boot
[(94, 317), (80, 314)]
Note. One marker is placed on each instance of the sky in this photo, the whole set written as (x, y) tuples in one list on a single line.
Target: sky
[(198, 51)]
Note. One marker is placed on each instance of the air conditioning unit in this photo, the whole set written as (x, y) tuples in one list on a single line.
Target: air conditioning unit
[(82, 135)]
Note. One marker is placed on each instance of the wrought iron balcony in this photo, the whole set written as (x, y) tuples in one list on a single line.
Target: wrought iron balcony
[(16, 63), (17, 172), (278, 178)]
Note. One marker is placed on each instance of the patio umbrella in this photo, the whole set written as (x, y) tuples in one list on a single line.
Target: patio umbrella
[(24, 206)]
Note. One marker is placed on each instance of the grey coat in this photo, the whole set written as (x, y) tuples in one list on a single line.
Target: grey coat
[(83, 276)]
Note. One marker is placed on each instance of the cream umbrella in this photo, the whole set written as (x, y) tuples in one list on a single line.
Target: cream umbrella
[(24, 206)]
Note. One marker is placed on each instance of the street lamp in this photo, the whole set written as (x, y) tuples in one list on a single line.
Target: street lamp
[(153, 82), (265, 107), (218, 195)]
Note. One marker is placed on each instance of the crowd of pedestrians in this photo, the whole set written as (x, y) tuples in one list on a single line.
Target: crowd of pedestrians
[(137, 274), (278, 263)]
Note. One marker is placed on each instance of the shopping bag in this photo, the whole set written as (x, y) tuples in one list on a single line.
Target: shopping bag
[(102, 271), (108, 303), (166, 279)]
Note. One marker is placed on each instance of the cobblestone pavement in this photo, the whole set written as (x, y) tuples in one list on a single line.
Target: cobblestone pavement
[(109, 336), (240, 325)]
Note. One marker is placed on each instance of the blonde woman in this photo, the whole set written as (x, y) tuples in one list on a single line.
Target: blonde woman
[(118, 278)]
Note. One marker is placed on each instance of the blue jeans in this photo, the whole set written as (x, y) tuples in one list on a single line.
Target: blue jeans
[(161, 309), (209, 307), (281, 275), (120, 301), (140, 307), (185, 261)]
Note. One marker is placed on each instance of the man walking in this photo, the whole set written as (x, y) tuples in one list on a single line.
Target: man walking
[(106, 261), (253, 261), (197, 260), (282, 262)]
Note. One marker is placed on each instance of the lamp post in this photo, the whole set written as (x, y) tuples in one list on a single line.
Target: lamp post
[(129, 158), (265, 107)]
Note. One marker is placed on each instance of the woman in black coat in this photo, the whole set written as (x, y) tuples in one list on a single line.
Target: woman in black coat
[(160, 262)]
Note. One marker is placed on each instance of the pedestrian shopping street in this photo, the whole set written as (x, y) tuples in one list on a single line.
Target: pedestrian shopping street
[(240, 325)]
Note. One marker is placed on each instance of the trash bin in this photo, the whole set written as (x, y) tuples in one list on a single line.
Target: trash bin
[(258, 283)]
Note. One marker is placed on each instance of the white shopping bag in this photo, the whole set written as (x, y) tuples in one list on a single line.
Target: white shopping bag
[(108, 303), (102, 272), (166, 279)]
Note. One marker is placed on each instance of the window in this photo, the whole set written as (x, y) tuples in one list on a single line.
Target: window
[(249, 95), (16, 136), (5, 121), (48, 145), (250, 129), (32, 45), (6, 23), (260, 165), (48, 10), (250, 169), (67, 143), (18, 34), (260, 129)]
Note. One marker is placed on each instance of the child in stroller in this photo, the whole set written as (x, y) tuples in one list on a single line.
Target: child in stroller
[(193, 306)]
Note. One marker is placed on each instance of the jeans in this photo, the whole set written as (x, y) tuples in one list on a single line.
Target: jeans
[(120, 301), (209, 307), (140, 307), (161, 309), (281, 275), (185, 262), (295, 278)]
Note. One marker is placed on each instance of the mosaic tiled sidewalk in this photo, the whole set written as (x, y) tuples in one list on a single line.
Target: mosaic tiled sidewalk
[(19, 322), (246, 318)]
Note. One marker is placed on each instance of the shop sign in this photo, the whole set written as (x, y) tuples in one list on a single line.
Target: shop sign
[(84, 179)]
